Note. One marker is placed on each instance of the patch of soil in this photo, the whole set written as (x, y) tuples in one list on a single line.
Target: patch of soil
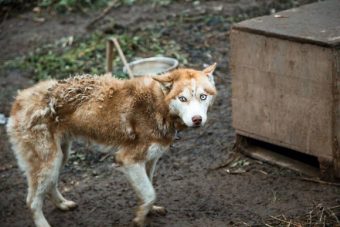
[(187, 183), (23, 33), (11, 81)]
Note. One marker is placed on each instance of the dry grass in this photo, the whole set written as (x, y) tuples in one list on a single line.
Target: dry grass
[(318, 215)]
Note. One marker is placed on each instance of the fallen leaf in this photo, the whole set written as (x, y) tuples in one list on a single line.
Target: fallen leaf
[(279, 16), (36, 9), (39, 19)]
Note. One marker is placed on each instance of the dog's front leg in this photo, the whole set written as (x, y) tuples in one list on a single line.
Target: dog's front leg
[(138, 177)]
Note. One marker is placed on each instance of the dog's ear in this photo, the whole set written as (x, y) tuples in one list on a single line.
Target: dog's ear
[(209, 72), (210, 69), (165, 80)]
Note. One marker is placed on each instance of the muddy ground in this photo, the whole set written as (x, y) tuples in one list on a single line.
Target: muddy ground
[(188, 184)]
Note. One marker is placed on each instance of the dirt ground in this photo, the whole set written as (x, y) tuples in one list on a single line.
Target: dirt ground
[(193, 190)]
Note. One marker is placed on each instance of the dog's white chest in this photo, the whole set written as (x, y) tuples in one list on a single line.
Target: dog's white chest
[(155, 151)]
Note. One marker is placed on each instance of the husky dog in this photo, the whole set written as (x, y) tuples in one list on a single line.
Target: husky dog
[(138, 116)]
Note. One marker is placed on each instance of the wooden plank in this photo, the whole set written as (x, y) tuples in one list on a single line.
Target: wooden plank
[(265, 155), (336, 112), (316, 23), (270, 140)]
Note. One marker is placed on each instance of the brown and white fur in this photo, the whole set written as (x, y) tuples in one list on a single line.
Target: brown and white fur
[(137, 116)]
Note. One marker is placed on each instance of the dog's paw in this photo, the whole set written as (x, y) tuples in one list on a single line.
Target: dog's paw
[(138, 222), (67, 205), (158, 210)]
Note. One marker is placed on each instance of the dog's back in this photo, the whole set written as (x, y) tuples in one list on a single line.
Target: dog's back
[(102, 109)]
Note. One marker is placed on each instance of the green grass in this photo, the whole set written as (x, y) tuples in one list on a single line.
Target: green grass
[(70, 56), (72, 5), (63, 6)]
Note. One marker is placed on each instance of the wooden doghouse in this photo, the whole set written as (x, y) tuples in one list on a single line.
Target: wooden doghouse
[(286, 80)]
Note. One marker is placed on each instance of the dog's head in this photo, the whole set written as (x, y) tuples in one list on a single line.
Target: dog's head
[(189, 93)]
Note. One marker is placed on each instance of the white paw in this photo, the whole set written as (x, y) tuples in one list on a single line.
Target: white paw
[(40, 221), (159, 210), (138, 222), (67, 205)]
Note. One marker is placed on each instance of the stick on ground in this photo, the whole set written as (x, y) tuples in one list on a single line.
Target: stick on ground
[(122, 56)]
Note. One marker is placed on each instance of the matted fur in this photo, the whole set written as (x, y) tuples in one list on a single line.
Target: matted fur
[(138, 116)]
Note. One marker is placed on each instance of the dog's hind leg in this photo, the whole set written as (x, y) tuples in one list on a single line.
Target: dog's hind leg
[(150, 168), (65, 148), (137, 175), (43, 174), (45, 162), (56, 196)]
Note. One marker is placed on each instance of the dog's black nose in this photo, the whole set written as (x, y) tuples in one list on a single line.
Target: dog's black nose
[(197, 120)]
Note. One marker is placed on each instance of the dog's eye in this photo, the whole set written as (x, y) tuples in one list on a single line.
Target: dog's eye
[(203, 97), (182, 99)]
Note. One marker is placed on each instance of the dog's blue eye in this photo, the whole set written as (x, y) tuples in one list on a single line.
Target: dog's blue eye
[(182, 99), (203, 97)]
